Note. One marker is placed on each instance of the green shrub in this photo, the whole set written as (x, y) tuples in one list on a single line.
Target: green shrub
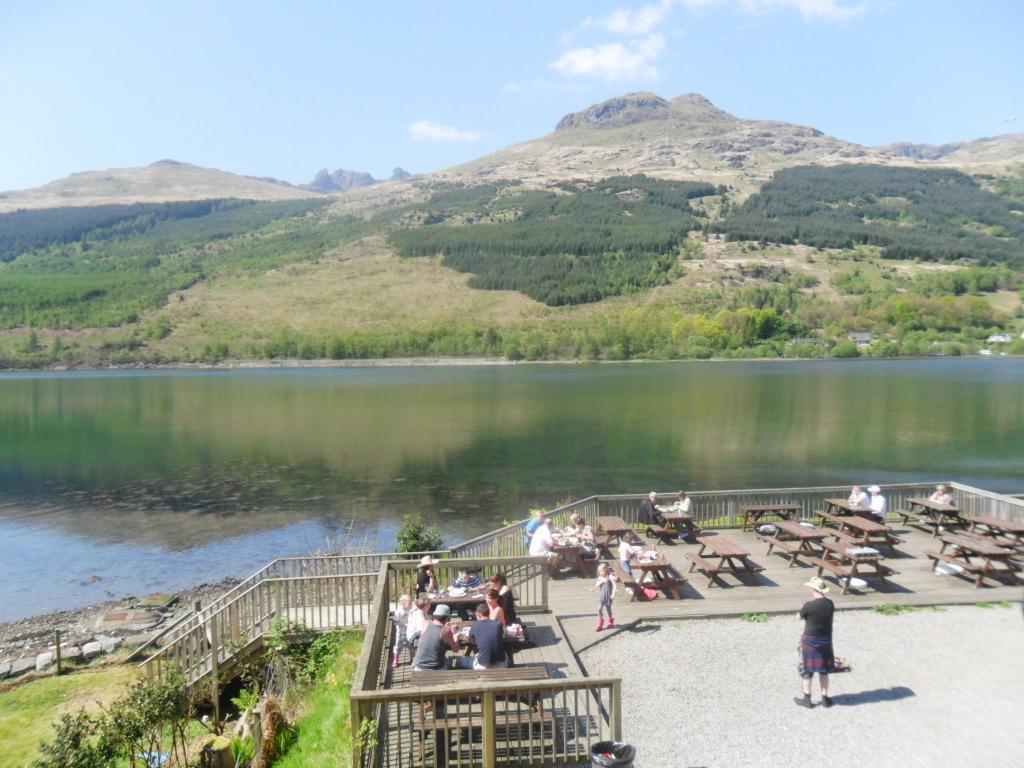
[(415, 536)]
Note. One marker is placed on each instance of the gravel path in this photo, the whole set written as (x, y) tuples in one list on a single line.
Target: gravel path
[(928, 688)]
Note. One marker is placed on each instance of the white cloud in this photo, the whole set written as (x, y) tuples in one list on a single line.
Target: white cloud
[(428, 130), (635, 21), (811, 10), (613, 62)]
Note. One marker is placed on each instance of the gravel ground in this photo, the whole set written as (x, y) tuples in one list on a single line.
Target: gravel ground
[(928, 688)]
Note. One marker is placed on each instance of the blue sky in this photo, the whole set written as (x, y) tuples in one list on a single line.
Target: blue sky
[(284, 90)]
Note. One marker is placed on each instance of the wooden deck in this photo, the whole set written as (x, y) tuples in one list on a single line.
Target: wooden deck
[(779, 589)]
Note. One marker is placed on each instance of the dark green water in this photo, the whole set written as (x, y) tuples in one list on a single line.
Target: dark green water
[(159, 480)]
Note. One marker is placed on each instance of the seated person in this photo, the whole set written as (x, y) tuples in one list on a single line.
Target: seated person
[(683, 503), (942, 496), (506, 599), (626, 552), (858, 498), (489, 636), (877, 504), (494, 610), (436, 639), (588, 541), (425, 580), (468, 579), (649, 512), (542, 545), (418, 618)]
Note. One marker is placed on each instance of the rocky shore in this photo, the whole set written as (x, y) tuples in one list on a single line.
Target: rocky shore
[(28, 644)]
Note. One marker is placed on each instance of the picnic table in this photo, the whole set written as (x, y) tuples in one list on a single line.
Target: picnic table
[(423, 677), (842, 507), (571, 549), (659, 574), (848, 561), (613, 526), (725, 556), (793, 539), (934, 514), (471, 599), (752, 513), (1003, 532), (861, 531), (677, 525), (996, 561), (512, 643)]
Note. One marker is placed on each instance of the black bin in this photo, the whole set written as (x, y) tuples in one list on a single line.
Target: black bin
[(612, 753)]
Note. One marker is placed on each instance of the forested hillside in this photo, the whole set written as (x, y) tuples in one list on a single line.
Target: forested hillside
[(911, 213), (568, 245)]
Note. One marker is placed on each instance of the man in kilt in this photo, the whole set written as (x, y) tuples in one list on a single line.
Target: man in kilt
[(816, 642)]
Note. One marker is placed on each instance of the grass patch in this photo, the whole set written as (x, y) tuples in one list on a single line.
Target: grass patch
[(986, 604), (755, 618), (891, 609), (1005, 604), (324, 726), (938, 609), (27, 712)]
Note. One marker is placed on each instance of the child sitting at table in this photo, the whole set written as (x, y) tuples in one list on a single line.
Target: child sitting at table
[(605, 594), (401, 619), (468, 579)]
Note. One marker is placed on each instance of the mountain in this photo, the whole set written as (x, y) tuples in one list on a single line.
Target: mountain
[(339, 181), (159, 182), (399, 174), (690, 138)]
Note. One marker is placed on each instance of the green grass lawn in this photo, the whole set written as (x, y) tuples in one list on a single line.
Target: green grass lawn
[(27, 712), (324, 726)]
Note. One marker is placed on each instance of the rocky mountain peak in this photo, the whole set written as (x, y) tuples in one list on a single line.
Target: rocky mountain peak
[(399, 174), (615, 113), (339, 180)]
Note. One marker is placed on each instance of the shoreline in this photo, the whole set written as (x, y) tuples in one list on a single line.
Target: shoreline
[(455, 362)]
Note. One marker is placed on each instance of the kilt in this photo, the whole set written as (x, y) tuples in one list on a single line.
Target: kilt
[(816, 655)]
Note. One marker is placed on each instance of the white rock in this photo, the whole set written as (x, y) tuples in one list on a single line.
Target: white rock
[(43, 660), (92, 649), (70, 651), (5, 669), (109, 644)]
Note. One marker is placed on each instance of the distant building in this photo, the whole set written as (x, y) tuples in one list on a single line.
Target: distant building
[(999, 338), (862, 339), (985, 352)]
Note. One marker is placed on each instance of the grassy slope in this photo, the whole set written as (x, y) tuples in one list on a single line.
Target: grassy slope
[(324, 725), (27, 712)]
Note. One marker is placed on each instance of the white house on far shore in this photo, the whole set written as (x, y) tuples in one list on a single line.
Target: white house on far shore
[(1000, 338), (861, 338)]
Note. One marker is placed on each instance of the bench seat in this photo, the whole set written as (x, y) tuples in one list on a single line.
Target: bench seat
[(636, 592)]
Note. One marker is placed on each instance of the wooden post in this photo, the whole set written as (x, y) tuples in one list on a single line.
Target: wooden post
[(356, 710), (56, 653), (214, 664), (197, 606), (489, 736), (545, 572), (616, 713)]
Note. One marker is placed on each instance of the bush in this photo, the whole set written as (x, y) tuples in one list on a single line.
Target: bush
[(846, 349), (414, 536), (79, 741)]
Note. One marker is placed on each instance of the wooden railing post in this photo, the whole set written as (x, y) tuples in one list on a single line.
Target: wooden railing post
[(214, 664), (356, 711), (615, 716), (489, 735), (545, 574)]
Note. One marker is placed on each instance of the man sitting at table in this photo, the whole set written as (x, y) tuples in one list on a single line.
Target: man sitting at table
[(468, 579), (942, 496), (542, 545), (649, 512), (436, 639), (858, 498), (877, 504), (489, 637)]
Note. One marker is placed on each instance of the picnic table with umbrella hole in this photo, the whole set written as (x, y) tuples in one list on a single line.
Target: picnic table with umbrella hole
[(752, 513), (977, 556), (725, 556), (848, 561), (794, 539), (934, 514), (860, 530)]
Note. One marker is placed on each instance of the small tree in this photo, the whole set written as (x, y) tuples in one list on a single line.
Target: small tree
[(79, 741), (415, 536)]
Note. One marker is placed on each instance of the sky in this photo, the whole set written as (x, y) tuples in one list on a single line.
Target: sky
[(283, 90)]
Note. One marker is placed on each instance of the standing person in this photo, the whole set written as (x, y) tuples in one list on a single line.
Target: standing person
[(436, 640), (877, 504), (626, 551), (605, 594), (425, 579), (401, 619), (532, 525), (942, 496), (418, 618), (506, 599), (816, 642), (489, 636), (857, 497)]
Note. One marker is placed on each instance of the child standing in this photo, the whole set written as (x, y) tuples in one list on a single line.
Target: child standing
[(401, 619), (605, 594)]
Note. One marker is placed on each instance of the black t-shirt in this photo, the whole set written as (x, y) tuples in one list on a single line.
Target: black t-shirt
[(490, 642), (817, 615), (422, 581)]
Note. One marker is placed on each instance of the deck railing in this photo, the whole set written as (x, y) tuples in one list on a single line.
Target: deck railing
[(483, 725), (527, 576), (975, 501)]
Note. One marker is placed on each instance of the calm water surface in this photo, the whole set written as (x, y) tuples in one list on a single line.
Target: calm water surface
[(127, 483)]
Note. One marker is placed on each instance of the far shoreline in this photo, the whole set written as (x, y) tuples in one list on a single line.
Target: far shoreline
[(456, 362)]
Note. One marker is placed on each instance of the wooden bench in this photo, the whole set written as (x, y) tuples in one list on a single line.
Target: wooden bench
[(978, 570), (662, 532), (711, 569), (636, 592), (792, 547), (840, 570)]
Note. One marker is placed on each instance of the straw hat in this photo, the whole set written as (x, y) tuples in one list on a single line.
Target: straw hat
[(818, 584), (427, 560)]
